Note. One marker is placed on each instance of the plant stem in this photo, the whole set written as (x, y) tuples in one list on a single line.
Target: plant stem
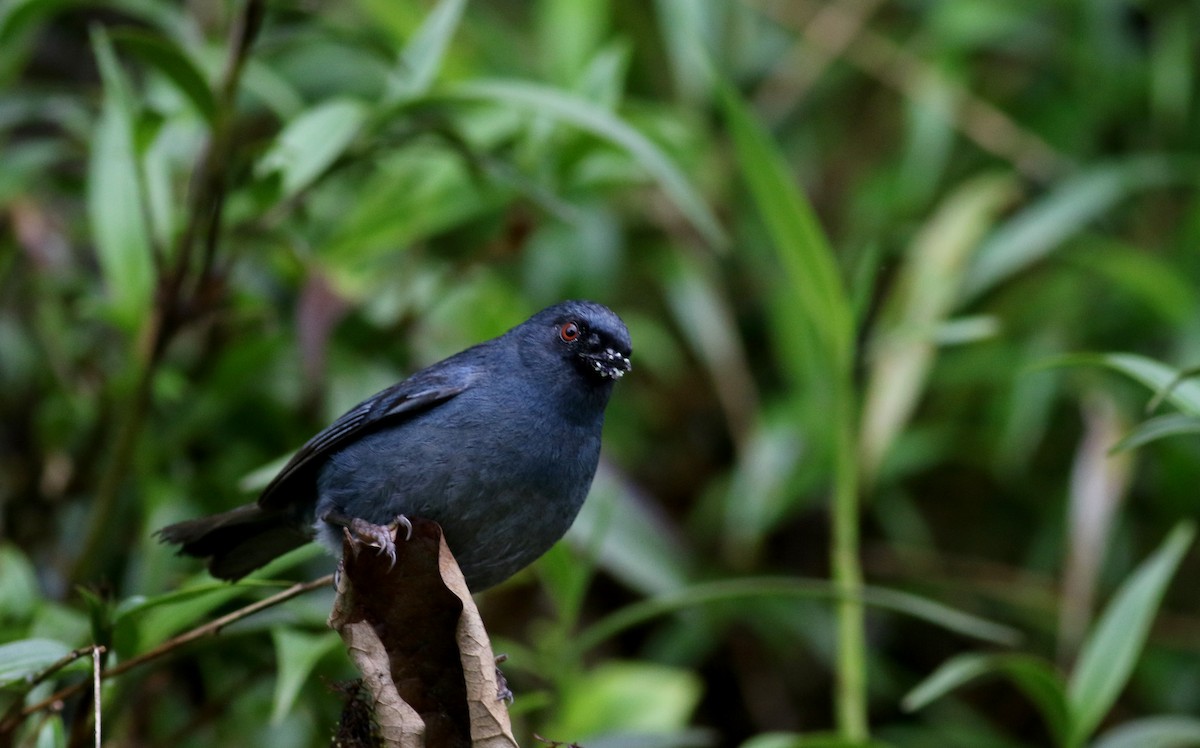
[(848, 578)]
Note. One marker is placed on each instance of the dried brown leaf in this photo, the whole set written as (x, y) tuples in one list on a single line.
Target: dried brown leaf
[(413, 631), (490, 726)]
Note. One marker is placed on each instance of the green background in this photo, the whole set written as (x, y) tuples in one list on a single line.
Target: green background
[(913, 294)]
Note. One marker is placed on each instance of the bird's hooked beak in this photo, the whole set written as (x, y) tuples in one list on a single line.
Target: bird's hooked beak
[(609, 363)]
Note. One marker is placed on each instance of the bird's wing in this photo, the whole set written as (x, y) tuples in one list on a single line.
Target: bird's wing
[(422, 391)]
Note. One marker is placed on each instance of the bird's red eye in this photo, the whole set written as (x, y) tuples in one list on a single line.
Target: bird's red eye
[(569, 332)]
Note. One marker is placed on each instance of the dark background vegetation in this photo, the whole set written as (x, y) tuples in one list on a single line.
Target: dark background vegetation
[(206, 254)]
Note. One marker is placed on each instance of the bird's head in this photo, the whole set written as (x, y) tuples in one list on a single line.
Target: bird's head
[(588, 336)]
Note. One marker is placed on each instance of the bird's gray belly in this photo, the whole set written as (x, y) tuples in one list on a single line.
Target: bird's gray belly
[(501, 502)]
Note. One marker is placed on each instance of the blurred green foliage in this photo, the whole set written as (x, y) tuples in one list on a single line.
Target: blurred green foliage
[(902, 280)]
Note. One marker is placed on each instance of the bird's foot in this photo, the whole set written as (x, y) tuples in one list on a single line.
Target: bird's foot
[(503, 692), (374, 536), (382, 537)]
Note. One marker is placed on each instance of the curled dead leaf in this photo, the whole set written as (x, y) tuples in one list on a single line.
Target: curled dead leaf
[(414, 633)]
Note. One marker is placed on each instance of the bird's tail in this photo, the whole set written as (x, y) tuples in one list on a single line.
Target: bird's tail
[(238, 541)]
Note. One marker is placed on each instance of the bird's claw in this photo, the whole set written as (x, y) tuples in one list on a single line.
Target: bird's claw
[(375, 536), (402, 521), (503, 692)]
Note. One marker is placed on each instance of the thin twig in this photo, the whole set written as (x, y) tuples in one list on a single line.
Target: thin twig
[(96, 689), (13, 716), (170, 645), (206, 196), (245, 30), (61, 663)]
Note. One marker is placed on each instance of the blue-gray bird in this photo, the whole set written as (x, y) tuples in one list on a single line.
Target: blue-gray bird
[(498, 444)]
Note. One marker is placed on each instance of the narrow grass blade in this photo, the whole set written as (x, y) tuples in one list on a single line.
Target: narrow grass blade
[(569, 33), (1035, 677), (1045, 225), (811, 273), (296, 654), (1157, 428), (924, 295), (643, 697), (115, 197), (690, 28), (808, 740), (311, 142), (170, 60), (1153, 732), (698, 300), (808, 261), (798, 588), (1165, 381), (422, 57), (1107, 658)]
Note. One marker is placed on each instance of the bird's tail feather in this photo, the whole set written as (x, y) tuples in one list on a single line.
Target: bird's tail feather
[(238, 541)]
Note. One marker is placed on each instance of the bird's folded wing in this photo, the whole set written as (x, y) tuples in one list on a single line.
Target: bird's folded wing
[(419, 393)]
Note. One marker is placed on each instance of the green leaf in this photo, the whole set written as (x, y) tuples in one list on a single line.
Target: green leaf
[(698, 297), (18, 15), (690, 28), (1110, 652), (809, 740), (100, 614), (1034, 676), (19, 592), (807, 260), (311, 142), (162, 203), (296, 654), (114, 197), (28, 657), (821, 332), (422, 57), (773, 740), (411, 194), (1172, 71), (273, 90), (1153, 732), (1044, 226), (52, 734), (1159, 427), (938, 614), (1181, 376), (603, 78), (636, 696), (587, 116), (170, 60), (903, 348), (568, 34), (1167, 382)]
